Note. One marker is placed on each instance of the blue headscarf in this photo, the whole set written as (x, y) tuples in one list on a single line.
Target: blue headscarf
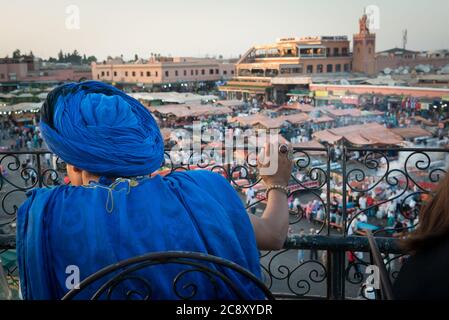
[(98, 128)]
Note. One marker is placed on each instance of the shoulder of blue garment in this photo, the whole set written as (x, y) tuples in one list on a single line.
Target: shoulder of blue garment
[(202, 178)]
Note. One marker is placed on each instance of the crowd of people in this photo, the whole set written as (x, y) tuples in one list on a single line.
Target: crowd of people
[(16, 137), (391, 207), (20, 137)]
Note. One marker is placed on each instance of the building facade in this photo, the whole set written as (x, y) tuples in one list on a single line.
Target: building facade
[(293, 56), (271, 72), (163, 71), (399, 57), (268, 72), (28, 70)]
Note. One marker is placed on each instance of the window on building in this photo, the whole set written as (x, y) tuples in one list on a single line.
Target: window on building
[(102, 73), (346, 67), (298, 69), (309, 68), (336, 52), (344, 51), (196, 72), (107, 73), (157, 73), (275, 72), (141, 73), (225, 72), (115, 73), (244, 72), (232, 72), (167, 73), (126, 73), (203, 72), (191, 72), (338, 68), (98, 76), (319, 68), (217, 71), (329, 68), (211, 71), (176, 73), (134, 73), (148, 73), (185, 73)]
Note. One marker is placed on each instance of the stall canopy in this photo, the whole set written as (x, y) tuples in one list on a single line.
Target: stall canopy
[(351, 112), (297, 106), (255, 119), (22, 107), (233, 104), (311, 144), (322, 119), (369, 134), (172, 97), (190, 110), (425, 122), (411, 132), (271, 123)]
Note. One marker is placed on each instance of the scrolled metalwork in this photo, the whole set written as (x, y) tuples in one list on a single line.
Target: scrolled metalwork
[(296, 278), (409, 177), (408, 174), (116, 275), (371, 163)]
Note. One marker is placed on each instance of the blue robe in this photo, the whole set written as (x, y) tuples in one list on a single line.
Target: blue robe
[(94, 226)]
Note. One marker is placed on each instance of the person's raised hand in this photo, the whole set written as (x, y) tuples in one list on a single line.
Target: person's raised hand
[(274, 164)]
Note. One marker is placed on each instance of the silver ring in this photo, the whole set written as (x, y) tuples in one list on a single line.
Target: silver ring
[(283, 148)]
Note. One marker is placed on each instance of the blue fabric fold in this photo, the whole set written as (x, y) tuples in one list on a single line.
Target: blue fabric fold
[(186, 211)]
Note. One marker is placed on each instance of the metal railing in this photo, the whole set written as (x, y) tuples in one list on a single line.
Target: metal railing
[(328, 262)]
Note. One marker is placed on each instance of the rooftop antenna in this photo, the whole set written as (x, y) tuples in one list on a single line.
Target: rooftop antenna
[(404, 39)]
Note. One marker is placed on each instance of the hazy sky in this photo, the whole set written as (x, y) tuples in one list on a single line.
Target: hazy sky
[(200, 27)]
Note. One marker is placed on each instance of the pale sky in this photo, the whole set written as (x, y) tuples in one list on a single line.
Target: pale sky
[(213, 27)]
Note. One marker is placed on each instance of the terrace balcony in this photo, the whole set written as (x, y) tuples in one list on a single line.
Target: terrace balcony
[(310, 266)]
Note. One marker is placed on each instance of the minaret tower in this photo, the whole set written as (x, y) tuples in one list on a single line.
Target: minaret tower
[(364, 49)]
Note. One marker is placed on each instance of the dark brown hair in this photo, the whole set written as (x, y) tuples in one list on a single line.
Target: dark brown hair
[(433, 221)]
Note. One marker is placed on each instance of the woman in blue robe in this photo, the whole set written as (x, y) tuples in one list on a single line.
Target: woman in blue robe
[(113, 210)]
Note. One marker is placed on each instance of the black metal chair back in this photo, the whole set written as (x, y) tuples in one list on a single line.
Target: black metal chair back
[(112, 276), (385, 282)]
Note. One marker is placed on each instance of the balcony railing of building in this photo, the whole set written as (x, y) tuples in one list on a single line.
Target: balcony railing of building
[(327, 252)]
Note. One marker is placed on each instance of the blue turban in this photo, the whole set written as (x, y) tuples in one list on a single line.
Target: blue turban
[(98, 128)]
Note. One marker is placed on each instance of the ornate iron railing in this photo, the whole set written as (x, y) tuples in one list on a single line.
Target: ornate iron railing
[(326, 254)]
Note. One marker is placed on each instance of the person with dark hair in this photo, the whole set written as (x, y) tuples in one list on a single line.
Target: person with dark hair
[(425, 273), (115, 207)]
